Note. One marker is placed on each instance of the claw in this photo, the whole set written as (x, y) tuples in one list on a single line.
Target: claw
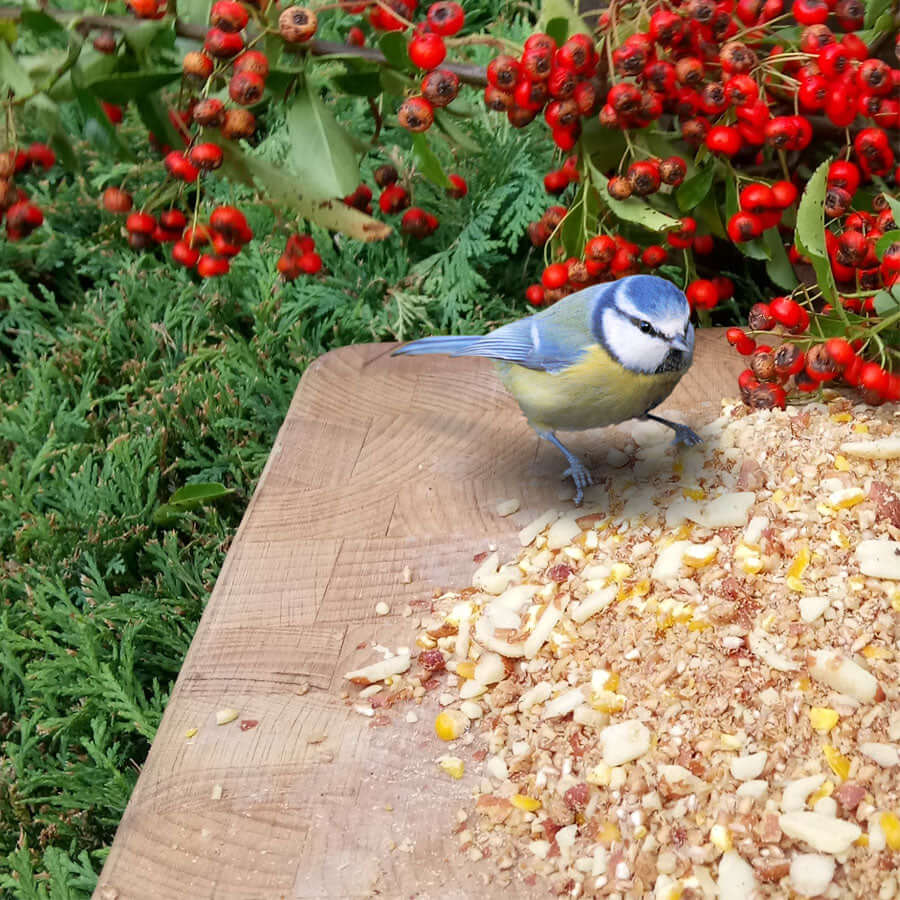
[(683, 434), (577, 470)]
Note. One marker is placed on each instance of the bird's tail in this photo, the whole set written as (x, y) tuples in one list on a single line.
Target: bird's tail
[(452, 345)]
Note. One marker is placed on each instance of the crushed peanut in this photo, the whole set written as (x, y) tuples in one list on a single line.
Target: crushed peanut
[(690, 687)]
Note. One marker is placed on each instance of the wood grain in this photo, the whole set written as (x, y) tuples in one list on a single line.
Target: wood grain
[(381, 464)]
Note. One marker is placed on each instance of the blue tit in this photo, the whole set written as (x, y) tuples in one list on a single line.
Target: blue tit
[(606, 354)]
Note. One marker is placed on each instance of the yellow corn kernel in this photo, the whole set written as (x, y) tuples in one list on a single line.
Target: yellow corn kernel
[(191, 732), (452, 765), (841, 463), (753, 565), (720, 836), (823, 719), (826, 790), (803, 684), (608, 833), (465, 669), (730, 742), (425, 642), (841, 417), (840, 765), (699, 555), (871, 651), (521, 801), (839, 539), (890, 825), (693, 493), (862, 841), (450, 724), (895, 602), (677, 466), (671, 892), (799, 563), (861, 428), (778, 497), (607, 701), (612, 682), (620, 571), (846, 498), (794, 583), (697, 625)]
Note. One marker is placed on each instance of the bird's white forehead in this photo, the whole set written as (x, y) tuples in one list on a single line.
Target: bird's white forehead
[(665, 316)]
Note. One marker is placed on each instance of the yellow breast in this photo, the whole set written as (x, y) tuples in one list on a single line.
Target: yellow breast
[(596, 391)]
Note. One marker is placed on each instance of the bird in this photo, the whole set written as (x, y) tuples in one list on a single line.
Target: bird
[(601, 356)]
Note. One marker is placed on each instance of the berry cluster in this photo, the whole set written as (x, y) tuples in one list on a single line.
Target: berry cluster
[(852, 240), (395, 198), (22, 216), (761, 207), (299, 257), (804, 363)]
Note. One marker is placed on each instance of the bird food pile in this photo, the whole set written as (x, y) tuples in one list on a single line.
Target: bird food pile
[(690, 689)]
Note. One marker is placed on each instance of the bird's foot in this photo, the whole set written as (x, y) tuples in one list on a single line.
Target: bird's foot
[(686, 436), (683, 434), (582, 478)]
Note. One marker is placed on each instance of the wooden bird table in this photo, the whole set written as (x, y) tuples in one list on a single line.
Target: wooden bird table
[(382, 465)]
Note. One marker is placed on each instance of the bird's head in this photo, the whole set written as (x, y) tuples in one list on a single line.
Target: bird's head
[(643, 322)]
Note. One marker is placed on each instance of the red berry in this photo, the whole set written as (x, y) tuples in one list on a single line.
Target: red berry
[(702, 293), (252, 61), (744, 226), (393, 199), (415, 114), (41, 155), (446, 17), (180, 167), (113, 113), (840, 350), (210, 266), (503, 72), (223, 44), (873, 377), (654, 256), (743, 343), (310, 263), (785, 311), (356, 37), (556, 182), (757, 198), (246, 88), (724, 139), (228, 15), (231, 223), (173, 220), (459, 187), (140, 223), (703, 244), (115, 200), (534, 294), (184, 254), (206, 156), (785, 194), (427, 51), (555, 276)]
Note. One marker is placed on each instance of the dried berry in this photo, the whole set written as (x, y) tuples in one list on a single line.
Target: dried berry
[(297, 24)]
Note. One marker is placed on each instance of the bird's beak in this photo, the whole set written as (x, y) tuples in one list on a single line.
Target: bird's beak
[(679, 343)]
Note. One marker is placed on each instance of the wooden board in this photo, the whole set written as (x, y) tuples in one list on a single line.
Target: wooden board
[(381, 464)]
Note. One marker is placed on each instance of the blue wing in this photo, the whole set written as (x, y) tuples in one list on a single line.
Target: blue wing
[(550, 341)]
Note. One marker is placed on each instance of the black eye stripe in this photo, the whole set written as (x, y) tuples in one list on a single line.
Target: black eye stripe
[(651, 330)]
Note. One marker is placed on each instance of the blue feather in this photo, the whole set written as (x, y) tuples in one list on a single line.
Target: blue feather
[(453, 345)]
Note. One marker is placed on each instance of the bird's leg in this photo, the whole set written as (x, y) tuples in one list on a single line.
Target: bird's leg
[(577, 469), (683, 434)]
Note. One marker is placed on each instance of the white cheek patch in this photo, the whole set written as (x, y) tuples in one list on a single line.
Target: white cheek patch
[(635, 350)]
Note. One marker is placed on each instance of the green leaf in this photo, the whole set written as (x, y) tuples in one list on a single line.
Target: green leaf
[(274, 181), (887, 302), (202, 492), (322, 153), (458, 137), (40, 23), (98, 130), (875, 9), (558, 29), (46, 113), (895, 207), (156, 119), (394, 83), (561, 9), (886, 240), (810, 232), (8, 31), (12, 75), (393, 46), (427, 163), (779, 267), (755, 249), (158, 33), (359, 84), (196, 12), (632, 210), (123, 87), (692, 192)]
